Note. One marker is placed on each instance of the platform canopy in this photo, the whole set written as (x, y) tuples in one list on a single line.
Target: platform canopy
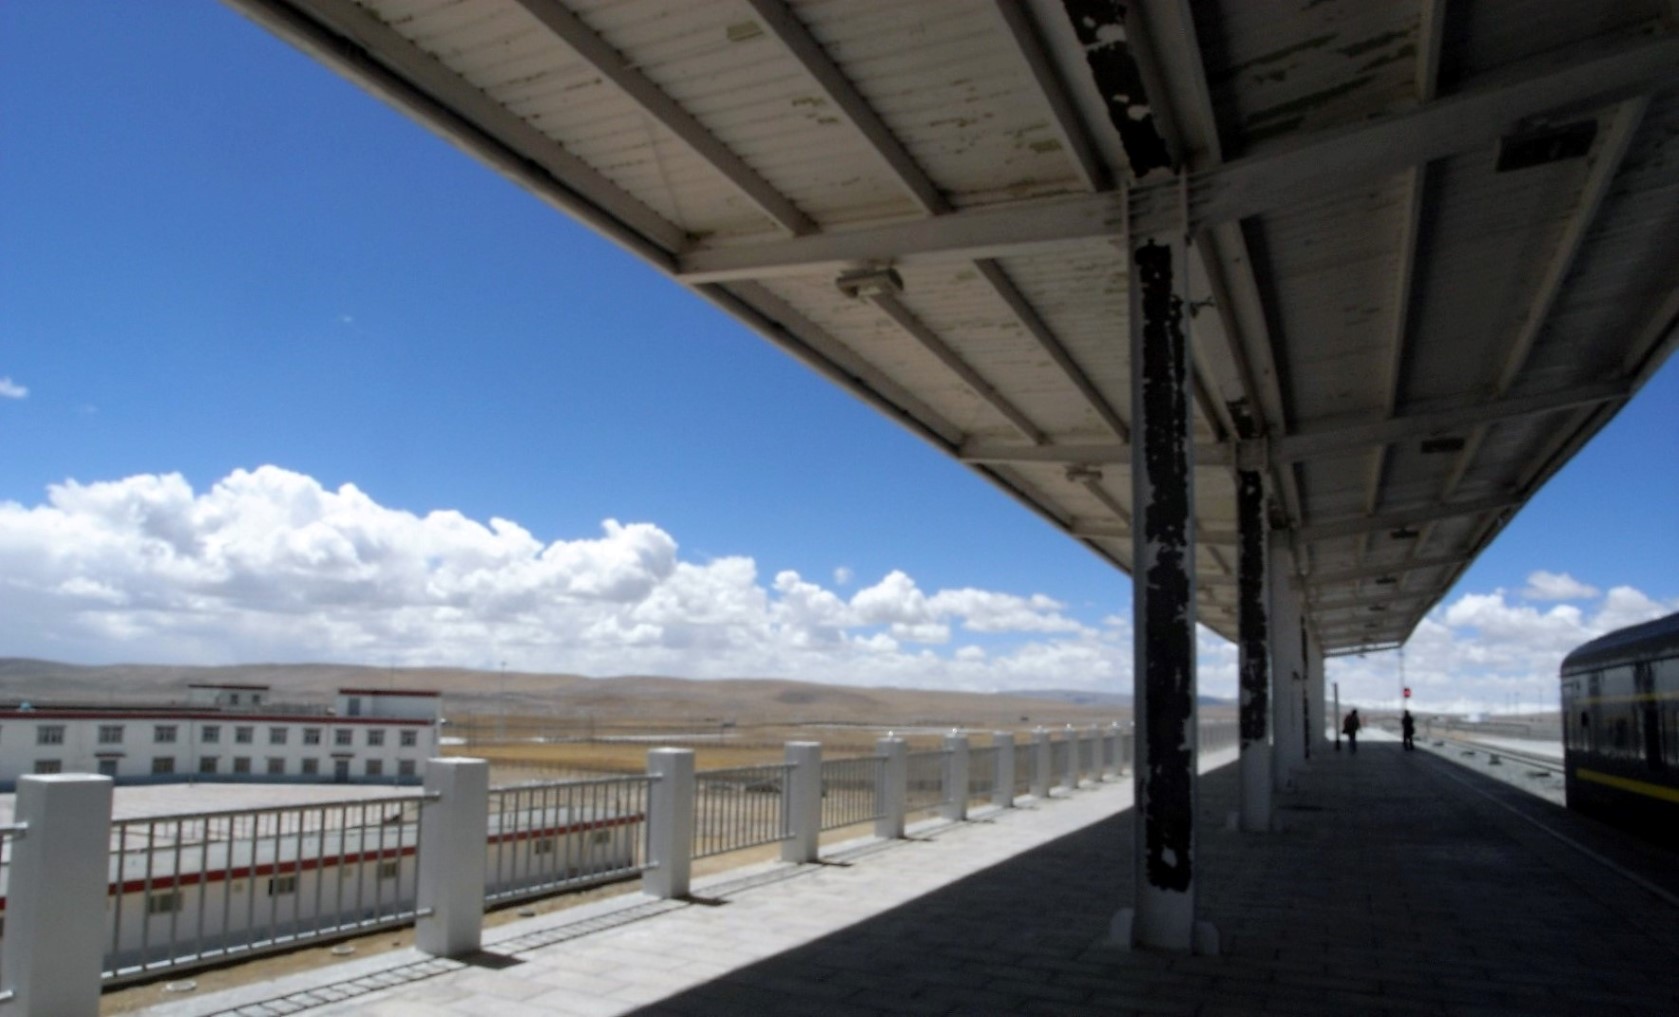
[(1434, 242)]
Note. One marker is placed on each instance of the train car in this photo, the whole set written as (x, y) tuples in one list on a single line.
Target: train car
[(1620, 721)]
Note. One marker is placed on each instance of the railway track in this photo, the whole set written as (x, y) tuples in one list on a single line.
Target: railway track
[(1497, 754)]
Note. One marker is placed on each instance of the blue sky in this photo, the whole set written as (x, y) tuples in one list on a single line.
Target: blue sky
[(220, 256)]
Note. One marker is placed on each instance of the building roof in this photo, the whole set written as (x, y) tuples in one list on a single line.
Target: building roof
[(388, 692), (1433, 244)]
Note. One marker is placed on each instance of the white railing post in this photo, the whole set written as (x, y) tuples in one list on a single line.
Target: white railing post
[(1042, 761), (1070, 775), (804, 802), (450, 881), (55, 907), (670, 823), (1002, 794), (956, 743), (1094, 737), (894, 789)]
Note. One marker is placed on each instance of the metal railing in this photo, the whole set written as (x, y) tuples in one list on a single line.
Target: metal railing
[(982, 772), (928, 783), (1086, 747), (8, 833), (741, 807), (1025, 755), (200, 888), (1058, 757), (559, 835), (851, 791)]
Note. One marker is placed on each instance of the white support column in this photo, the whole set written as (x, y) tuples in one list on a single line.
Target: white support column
[(670, 823), (804, 802), (1287, 664), (893, 791), (1002, 792), (1318, 726), (956, 809), (1070, 772), (1163, 596), (55, 907), (1042, 760), (450, 882), (1253, 646)]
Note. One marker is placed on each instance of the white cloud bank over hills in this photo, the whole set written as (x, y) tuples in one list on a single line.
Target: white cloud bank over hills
[(268, 565)]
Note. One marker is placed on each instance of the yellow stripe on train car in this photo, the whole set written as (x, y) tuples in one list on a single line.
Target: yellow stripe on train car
[(1628, 784)]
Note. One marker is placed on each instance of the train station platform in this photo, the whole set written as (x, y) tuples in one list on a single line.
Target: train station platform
[(1399, 883)]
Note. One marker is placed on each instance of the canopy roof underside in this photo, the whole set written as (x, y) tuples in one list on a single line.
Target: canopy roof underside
[(1433, 244)]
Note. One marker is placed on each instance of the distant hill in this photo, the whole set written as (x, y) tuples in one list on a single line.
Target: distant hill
[(1104, 700), (625, 700)]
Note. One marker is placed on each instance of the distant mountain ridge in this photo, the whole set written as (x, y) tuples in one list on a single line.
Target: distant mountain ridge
[(627, 699), (1110, 700)]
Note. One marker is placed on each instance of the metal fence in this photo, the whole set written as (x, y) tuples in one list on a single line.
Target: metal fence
[(559, 835), (1086, 747), (741, 807), (851, 791), (1025, 756), (928, 784), (982, 772), (203, 887), (1058, 756)]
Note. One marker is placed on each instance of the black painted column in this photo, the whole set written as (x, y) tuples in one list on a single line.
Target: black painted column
[(1163, 574), (1253, 641)]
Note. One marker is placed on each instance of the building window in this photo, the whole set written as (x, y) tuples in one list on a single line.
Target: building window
[(276, 736), (390, 869), (210, 734), (276, 765), (207, 764), (108, 767), (50, 734), (375, 737), (164, 734), (311, 736), (49, 766), (110, 734), (241, 764), (544, 846), (405, 767), (343, 736), (311, 767), (282, 885), (242, 735), (375, 768), (600, 837), (163, 764), (163, 903), (409, 739)]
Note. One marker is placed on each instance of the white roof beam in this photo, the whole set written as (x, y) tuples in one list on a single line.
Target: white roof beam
[(1355, 525), (1336, 438), (851, 104), (1095, 454), (1375, 571), (1064, 116), (640, 89), (1460, 122)]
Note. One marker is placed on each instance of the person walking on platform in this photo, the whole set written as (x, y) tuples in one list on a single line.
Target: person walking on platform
[(1349, 727), (1408, 728)]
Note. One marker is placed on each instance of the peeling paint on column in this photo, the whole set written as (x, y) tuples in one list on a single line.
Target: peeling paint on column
[(1252, 625), (1100, 27), (1167, 631)]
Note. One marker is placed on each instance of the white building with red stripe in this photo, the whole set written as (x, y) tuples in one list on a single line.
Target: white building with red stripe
[(227, 732)]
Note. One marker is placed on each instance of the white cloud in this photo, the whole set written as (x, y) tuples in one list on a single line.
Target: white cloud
[(10, 389), (269, 564), (1483, 652), (843, 576), (1542, 585)]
